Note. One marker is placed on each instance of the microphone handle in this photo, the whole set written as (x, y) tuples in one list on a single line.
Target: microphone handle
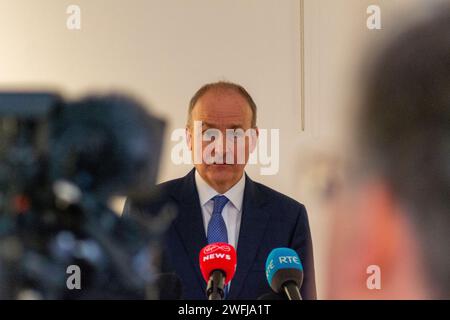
[(292, 291), (216, 283)]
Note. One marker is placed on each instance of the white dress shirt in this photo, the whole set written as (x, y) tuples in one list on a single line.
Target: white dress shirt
[(231, 213)]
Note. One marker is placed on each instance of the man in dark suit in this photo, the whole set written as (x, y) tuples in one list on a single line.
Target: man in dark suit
[(218, 202)]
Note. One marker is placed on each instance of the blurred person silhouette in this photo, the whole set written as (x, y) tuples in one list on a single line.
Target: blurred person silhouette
[(390, 237)]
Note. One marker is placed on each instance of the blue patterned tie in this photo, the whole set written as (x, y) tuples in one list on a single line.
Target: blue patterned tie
[(217, 230)]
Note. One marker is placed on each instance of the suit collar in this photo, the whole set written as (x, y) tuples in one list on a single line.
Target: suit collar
[(189, 223), (253, 226), (188, 193), (206, 192)]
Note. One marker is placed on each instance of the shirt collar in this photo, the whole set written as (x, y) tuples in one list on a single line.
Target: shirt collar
[(206, 192)]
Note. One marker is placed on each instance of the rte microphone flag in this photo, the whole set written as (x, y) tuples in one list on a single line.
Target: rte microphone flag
[(284, 272)]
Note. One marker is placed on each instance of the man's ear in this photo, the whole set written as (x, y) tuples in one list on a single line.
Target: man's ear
[(188, 137), (254, 139)]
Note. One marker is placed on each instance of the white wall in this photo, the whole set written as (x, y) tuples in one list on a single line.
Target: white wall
[(164, 50)]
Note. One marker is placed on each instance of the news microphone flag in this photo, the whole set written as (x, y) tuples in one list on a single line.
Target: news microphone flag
[(218, 256)]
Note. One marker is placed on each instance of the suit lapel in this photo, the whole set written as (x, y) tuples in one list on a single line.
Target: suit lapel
[(189, 223), (253, 225), (189, 226)]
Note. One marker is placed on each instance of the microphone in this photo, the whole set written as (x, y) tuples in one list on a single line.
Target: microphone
[(218, 265), (284, 272)]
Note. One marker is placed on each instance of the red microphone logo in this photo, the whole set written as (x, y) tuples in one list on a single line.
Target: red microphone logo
[(218, 256), (213, 247)]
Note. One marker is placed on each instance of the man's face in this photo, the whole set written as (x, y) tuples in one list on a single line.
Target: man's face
[(219, 110)]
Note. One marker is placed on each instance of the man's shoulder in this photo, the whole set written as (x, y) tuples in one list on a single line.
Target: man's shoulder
[(162, 194), (275, 198), (170, 185), (170, 190)]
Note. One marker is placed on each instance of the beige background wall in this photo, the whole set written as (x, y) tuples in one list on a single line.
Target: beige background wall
[(163, 50)]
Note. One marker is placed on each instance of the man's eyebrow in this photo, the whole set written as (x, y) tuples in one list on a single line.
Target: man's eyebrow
[(232, 126)]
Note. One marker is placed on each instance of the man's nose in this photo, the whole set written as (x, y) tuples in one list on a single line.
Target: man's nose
[(225, 147)]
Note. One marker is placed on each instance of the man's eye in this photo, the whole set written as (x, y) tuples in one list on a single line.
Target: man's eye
[(210, 133)]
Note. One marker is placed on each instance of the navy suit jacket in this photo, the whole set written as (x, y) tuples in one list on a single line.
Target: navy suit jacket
[(269, 220)]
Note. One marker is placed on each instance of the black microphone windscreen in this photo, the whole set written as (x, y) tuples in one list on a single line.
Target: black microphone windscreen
[(283, 276)]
